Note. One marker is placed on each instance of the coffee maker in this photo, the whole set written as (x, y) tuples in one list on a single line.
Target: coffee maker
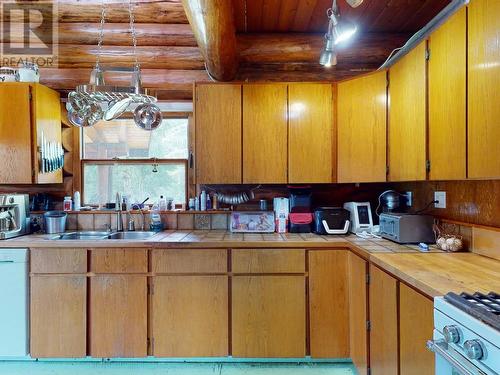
[(14, 215)]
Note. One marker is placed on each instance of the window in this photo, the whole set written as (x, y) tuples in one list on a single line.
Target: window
[(120, 157)]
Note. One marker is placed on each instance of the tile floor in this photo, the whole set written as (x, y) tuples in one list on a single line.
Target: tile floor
[(121, 368)]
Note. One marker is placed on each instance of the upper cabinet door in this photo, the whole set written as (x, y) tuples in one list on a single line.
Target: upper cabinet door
[(218, 134), (265, 133), (15, 134), (447, 100), (407, 117), (362, 128), (310, 138), (483, 89), (47, 110)]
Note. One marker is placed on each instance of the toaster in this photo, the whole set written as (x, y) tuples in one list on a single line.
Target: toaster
[(407, 228), (331, 220)]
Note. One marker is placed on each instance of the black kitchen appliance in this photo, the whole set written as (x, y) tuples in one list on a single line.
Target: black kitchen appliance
[(331, 220)]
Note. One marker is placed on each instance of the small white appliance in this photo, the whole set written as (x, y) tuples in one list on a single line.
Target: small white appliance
[(361, 216), (14, 306), (466, 334)]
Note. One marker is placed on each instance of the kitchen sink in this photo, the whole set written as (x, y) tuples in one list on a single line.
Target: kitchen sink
[(85, 236), (131, 235), (82, 236)]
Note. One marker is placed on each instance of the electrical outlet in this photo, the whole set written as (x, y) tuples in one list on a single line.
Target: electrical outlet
[(409, 198), (440, 196)]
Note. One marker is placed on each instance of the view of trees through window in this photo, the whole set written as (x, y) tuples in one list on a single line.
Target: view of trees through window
[(110, 150)]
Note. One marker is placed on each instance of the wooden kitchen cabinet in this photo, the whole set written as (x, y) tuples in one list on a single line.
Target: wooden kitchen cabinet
[(190, 316), (447, 99), (58, 316), (362, 128), (483, 127), (384, 323), (118, 316), (26, 111), (407, 117), (58, 302), (358, 312), (416, 325), (218, 133), (268, 316), (329, 303), (265, 132), (310, 133)]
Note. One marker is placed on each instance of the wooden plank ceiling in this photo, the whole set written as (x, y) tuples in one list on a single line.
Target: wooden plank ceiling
[(277, 40)]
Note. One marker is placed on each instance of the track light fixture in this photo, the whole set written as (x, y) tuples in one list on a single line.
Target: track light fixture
[(338, 31)]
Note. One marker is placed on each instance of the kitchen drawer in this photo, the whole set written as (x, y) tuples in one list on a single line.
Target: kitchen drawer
[(119, 260), (190, 261), (54, 260), (268, 261)]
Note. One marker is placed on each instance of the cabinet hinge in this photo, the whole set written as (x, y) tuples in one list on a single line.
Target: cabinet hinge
[(30, 96), (387, 170), (368, 278), (387, 81), (427, 54), (368, 325), (428, 166), (151, 289)]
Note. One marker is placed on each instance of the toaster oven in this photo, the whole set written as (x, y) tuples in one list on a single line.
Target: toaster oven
[(407, 228)]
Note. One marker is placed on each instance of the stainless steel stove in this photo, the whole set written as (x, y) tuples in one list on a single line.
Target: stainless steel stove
[(467, 334)]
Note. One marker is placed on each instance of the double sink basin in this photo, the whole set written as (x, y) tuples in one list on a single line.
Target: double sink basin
[(86, 236)]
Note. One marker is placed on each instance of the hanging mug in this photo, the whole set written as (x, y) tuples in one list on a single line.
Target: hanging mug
[(8, 74), (28, 72)]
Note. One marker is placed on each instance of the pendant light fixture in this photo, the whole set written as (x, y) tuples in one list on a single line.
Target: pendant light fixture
[(96, 101), (339, 30)]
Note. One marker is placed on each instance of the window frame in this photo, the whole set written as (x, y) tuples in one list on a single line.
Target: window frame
[(188, 185)]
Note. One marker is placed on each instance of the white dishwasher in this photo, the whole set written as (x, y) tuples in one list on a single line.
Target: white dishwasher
[(14, 303)]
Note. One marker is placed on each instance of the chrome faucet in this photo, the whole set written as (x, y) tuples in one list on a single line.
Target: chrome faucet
[(118, 209)]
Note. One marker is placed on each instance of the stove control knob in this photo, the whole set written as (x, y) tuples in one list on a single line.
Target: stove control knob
[(473, 349), (451, 334)]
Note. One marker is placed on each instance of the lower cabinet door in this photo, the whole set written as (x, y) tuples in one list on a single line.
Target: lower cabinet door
[(190, 316), (328, 304), (58, 316), (118, 316), (358, 312), (384, 323), (268, 316), (416, 325)]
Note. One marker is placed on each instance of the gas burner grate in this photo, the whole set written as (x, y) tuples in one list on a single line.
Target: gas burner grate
[(485, 307)]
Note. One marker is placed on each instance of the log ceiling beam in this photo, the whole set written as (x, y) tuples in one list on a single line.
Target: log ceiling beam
[(117, 34), (213, 25), (145, 11)]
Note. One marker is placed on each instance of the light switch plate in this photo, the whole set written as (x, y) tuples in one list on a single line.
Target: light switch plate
[(440, 196)]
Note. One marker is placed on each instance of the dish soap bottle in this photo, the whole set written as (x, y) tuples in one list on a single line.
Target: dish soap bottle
[(156, 224)]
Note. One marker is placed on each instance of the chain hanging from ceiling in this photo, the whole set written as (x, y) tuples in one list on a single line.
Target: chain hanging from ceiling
[(97, 101)]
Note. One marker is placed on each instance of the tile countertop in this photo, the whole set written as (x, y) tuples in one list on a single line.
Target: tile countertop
[(434, 272)]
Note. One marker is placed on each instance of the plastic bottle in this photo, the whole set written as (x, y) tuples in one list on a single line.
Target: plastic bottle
[(196, 204), (162, 204), (203, 201), (76, 201), (67, 204), (156, 224), (209, 202)]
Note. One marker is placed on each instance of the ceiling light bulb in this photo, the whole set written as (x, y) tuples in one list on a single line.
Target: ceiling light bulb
[(343, 31)]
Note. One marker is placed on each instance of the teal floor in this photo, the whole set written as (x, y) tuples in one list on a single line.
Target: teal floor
[(100, 368)]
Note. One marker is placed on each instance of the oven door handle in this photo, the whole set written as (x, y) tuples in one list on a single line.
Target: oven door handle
[(440, 348)]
